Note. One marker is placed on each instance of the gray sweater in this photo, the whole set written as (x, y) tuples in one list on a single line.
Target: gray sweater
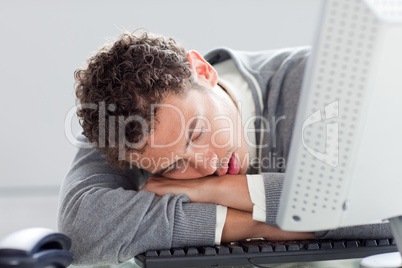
[(110, 221)]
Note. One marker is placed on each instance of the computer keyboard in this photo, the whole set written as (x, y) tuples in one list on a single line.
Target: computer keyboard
[(260, 252)]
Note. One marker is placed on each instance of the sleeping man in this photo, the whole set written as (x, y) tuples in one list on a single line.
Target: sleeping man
[(182, 149)]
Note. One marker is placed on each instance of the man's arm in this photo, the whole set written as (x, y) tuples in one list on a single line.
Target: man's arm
[(109, 221), (232, 191), (227, 190)]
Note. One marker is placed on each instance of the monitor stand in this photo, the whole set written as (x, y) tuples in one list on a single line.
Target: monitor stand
[(388, 260)]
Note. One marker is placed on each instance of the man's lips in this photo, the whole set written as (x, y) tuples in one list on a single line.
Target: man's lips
[(232, 167)]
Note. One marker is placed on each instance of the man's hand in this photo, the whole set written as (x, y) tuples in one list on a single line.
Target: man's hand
[(227, 190)]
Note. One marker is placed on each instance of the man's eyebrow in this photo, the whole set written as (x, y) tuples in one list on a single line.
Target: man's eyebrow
[(188, 138)]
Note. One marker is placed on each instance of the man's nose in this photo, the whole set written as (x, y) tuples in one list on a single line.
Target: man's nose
[(206, 163)]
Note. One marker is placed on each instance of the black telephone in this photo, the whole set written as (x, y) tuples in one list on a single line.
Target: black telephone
[(35, 248)]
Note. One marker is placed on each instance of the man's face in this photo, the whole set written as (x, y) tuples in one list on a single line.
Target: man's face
[(194, 136)]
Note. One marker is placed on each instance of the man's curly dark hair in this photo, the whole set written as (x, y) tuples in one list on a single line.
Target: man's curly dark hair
[(121, 81)]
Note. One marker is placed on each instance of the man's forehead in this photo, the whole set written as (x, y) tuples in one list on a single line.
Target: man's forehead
[(165, 136), (169, 117), (173, 115), (167, 125)]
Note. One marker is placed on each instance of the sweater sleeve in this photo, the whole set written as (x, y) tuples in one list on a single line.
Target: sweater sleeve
[(273, 187), (110, 221)]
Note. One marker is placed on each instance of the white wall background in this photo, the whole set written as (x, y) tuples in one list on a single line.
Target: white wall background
[(43, 42)]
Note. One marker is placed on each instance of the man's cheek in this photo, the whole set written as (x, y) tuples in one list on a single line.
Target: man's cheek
[(223, 135), (222, 138)]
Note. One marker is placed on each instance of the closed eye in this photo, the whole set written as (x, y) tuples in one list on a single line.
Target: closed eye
[(176, 166), (199, 135), (173, 170)]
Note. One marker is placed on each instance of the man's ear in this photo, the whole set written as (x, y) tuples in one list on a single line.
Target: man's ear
[(203, 71)]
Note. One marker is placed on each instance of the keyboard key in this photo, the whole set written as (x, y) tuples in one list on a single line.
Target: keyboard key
[(302, 246), (265, 247), (178, 252), (251, 248), (165, 252), (279, 248), (235, 249), (312, 246), (383, 242), (151, 253), (352, 244), (221, 250), (192, 251), (326, 245), (293, 247), (208, 250), (339, 244), (370, 243)]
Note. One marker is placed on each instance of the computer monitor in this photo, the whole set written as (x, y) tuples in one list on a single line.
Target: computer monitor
[(345, 159)]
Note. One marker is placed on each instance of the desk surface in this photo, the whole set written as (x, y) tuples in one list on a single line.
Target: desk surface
[(350, 263)]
